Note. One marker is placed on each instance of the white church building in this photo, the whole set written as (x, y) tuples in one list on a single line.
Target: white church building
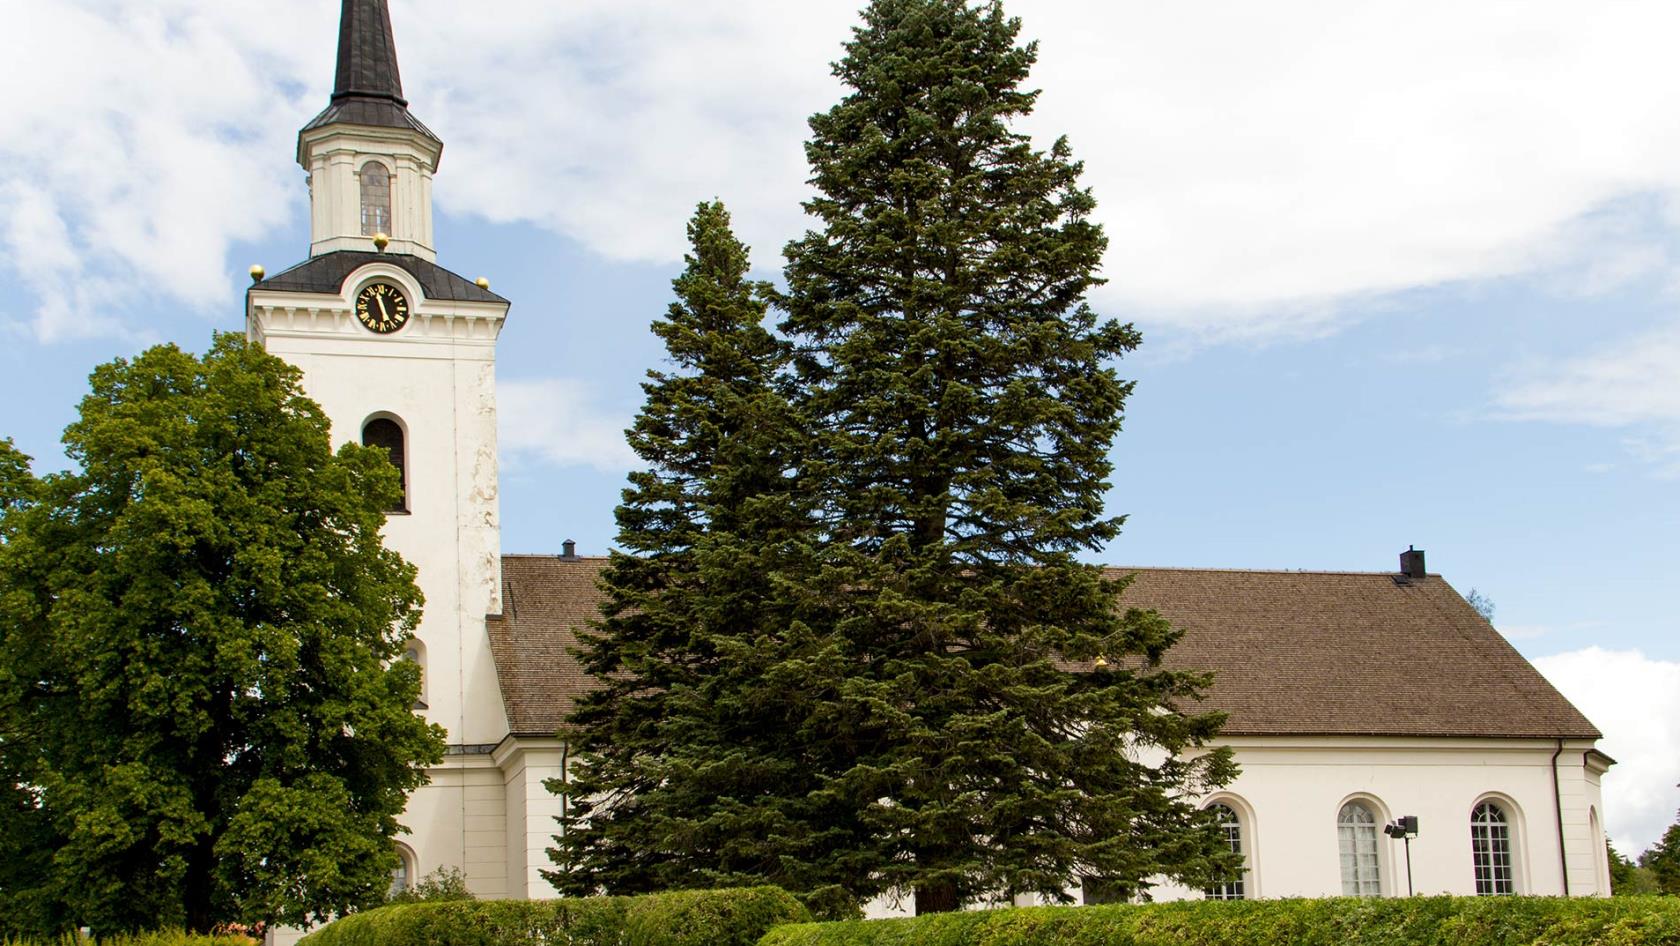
[(1355, 699)]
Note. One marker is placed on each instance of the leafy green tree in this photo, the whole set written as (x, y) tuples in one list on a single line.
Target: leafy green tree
[(443, 884), (684, 776), (25, 836), (1662, 860), (1627, 878), (962, 403), (202, 714)]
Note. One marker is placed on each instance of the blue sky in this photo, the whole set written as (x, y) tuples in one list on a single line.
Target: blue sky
[(1406, 273)]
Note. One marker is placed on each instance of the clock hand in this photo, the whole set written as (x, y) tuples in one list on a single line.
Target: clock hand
[(381, 301)]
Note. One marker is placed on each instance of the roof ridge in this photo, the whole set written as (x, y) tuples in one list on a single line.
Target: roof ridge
[(556, 556), (1256, 571)]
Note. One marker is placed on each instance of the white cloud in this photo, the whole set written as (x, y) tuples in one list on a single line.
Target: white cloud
[(138, 140), (1254, 165), (555, 421), (1635, 701), (1633, 383), (1524, 632), (1257, 166)]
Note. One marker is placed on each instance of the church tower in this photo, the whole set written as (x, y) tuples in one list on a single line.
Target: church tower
[(401, 354)]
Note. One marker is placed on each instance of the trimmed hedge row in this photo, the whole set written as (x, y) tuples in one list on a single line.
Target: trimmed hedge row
[(154, 938), (738, 917), (1417, 921)]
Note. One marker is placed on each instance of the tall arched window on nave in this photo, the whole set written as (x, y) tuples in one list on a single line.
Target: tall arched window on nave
[(1490, 850), (1232, 888), (387, 434), (376, 199), (1356, 838)]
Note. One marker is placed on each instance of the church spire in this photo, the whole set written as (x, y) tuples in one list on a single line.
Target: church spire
[(368, 86), (367, 55), (370, 162)]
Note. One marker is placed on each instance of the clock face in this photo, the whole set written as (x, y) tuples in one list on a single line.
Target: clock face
[(381, 308)]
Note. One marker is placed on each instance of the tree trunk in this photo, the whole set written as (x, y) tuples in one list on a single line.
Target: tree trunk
[(936, 898)]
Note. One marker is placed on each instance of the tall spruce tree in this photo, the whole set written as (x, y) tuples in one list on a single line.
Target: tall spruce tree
[(962, 404), (685, 776)]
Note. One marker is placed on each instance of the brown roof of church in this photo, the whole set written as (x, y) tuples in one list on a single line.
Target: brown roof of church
[(545, 600), (1293, 653)]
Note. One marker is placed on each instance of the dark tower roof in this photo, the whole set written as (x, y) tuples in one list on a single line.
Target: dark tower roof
[(368, 89)]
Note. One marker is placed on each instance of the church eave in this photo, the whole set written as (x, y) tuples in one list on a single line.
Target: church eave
[(326, 274), (372, 119)]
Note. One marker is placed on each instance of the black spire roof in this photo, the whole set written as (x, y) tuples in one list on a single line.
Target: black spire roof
[(368, 89)]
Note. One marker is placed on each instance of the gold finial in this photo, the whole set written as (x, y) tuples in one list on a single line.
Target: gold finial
[(257, 273), (482, 283), (381, 241), (1101, 663)]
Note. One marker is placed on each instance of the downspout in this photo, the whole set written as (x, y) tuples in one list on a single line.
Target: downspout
[(1557, 805)]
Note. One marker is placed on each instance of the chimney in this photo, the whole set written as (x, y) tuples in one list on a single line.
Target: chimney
[(568, 549), (1411, 563)]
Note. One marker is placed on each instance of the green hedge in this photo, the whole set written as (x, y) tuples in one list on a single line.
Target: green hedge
[(1418, 921), (155, 938), (685, 918)]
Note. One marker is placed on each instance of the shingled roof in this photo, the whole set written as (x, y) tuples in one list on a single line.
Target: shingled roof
[(367, 89), (327, 273), (1293, 653), (545, 600)]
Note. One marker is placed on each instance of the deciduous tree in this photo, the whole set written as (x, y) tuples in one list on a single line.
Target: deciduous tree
[(1662, 860), (202, 714)]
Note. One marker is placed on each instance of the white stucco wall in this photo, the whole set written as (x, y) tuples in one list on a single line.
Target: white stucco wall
[(1291, 788), (532, 810), (460, 820), (436, 377)]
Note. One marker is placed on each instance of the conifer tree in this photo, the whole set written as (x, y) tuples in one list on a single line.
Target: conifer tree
[(685, 776), (962, 403)]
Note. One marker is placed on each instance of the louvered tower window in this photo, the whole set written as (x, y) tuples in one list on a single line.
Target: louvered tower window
[(387, 434), (376, 199), (1231, 889), (1490, 850), (1356, 835)]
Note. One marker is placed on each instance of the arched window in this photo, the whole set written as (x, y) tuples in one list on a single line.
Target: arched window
[(416, 653), (1601, 853), (387, 434), (376, 199), (402, 876), (1231, 889), (1356, 835), (1490, 850)]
